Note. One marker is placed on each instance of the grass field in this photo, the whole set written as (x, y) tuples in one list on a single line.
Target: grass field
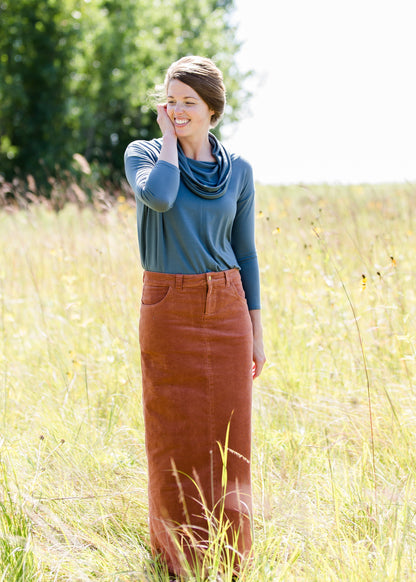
[(334, 412)]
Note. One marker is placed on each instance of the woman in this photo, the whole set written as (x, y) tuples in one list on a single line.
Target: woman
[(200, 327)]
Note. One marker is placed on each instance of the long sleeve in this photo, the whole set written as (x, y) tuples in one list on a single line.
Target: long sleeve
[(155, 182), (243, 243)]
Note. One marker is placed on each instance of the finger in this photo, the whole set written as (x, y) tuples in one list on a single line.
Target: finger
[(257, 368), (162, 108)]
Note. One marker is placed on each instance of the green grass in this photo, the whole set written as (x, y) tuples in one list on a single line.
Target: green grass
[(334, 411)]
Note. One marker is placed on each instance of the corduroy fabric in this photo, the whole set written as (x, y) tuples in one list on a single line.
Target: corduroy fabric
[(196, 354)]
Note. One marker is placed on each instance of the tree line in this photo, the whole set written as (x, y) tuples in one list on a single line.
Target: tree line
[(76, 76)]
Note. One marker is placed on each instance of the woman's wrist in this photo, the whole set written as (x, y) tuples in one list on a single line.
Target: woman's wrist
[(169, 151), (255, 315)]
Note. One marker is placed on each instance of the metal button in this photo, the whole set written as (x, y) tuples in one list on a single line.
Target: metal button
[(209, 277)]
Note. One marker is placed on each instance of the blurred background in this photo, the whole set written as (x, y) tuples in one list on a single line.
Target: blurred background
[(317, 91)]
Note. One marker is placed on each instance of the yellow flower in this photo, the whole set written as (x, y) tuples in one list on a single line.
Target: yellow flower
[(363, 282)]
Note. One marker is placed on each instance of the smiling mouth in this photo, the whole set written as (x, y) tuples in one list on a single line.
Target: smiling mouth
[(181, 122)]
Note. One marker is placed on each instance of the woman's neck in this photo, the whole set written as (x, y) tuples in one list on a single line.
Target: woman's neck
[(197, 149)]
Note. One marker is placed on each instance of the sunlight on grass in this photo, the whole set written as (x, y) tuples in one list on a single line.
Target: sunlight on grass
[(334, 411)]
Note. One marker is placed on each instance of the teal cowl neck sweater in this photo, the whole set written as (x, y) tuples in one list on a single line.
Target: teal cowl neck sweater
[(195, 218), (198, 179)]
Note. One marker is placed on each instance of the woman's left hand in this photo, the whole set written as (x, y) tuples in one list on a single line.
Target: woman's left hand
[(259, 358)]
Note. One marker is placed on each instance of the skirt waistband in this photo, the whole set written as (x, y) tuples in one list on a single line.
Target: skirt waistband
[(222, 278)]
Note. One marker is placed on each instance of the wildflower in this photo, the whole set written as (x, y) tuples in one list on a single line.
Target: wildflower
[(363, 282)]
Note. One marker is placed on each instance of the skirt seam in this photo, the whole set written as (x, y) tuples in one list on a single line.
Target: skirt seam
[(211, 411)]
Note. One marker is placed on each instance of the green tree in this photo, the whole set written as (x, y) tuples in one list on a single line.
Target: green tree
[(76, 76), (36, 40)]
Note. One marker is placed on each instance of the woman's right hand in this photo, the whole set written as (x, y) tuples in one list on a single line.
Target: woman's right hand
[(169, 151), (164, 121)]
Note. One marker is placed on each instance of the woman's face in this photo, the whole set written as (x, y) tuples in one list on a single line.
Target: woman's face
[(188, 112)]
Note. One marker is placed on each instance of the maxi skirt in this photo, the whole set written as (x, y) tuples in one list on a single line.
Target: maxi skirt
[(196, 354)]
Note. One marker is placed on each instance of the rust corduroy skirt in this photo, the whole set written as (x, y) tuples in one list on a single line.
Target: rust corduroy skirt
[(196, 354)]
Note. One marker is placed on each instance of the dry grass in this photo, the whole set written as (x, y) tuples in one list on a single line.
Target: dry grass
[(334, 411)]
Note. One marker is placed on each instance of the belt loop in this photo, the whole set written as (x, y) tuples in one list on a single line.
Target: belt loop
[(179, 281), (227, 278)]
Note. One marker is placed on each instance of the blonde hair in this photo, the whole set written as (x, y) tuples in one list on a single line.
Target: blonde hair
[(205, 78)]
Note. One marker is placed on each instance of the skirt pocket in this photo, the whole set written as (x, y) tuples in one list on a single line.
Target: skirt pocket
[(153, 295), (238, 291)]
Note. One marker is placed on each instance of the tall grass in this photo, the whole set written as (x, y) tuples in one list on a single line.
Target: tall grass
[(334, 411)]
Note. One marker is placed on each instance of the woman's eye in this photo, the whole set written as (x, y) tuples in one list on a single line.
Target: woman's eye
[(186, 103)]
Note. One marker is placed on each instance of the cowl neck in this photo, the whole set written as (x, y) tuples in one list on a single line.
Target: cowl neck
[(207, 179)]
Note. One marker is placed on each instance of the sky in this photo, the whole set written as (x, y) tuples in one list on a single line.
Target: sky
[(334, 90)]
